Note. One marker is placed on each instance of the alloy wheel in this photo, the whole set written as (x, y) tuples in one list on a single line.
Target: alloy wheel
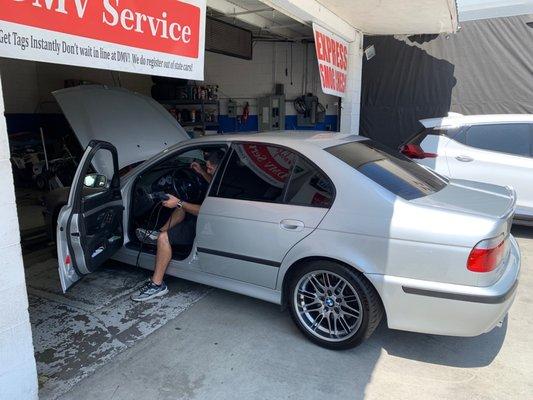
[(328, 306)]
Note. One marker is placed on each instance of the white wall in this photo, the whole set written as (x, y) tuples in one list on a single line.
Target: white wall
[(28, 84), (246, 80), (18, 374), (351, 105)]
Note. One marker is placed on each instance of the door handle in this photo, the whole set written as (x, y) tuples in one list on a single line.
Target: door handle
[(291, 225), (464, 158)]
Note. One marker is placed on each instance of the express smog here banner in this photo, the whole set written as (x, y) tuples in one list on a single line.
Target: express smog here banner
[(155, 37), (332, 56)]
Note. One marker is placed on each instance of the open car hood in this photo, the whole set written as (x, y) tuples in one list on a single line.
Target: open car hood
[(137, 125)]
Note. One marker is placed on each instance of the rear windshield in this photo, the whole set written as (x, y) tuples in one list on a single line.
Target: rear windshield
[(390, 169), (420, 136)]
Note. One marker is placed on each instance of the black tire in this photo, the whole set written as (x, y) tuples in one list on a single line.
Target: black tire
[(370, 303)]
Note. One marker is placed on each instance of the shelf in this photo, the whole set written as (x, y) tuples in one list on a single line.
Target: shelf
[(197, 123), (185, 102)]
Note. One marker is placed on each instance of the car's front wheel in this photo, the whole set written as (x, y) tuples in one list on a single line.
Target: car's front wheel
[(333, 305)]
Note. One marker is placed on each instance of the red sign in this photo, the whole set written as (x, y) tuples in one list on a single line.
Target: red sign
[(272, 164), (332, 56), (169, 27)]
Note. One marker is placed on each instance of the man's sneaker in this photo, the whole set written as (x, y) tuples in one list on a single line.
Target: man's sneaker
[(149, 291), (146, 236)]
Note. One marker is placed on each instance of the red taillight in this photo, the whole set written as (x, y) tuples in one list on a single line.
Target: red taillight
[(486, 255), (415, 151), (67, 260)]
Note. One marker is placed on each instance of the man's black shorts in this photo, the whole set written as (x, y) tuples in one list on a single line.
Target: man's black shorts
[(183, 233)]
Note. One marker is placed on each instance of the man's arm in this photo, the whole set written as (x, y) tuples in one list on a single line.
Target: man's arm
[(193, 209), (198, 169), (173, 202)]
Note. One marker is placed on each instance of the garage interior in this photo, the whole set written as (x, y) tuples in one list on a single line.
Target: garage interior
[(269, 67), (265, 79)]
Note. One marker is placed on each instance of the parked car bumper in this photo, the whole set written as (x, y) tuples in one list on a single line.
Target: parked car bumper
[(448, 309)]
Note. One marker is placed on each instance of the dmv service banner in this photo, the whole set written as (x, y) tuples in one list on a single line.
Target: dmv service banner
[(156, 37)]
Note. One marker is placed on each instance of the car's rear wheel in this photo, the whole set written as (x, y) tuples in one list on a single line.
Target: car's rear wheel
[(333, 305)]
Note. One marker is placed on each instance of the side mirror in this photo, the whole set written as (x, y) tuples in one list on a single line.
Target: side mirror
[(95, 181)]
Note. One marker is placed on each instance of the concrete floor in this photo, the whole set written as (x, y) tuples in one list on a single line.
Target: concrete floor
[(76, 333), (228, 346)]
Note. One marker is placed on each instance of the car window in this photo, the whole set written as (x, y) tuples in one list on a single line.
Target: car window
[(256, 172), (192, 155), (124, 170), (390, 169), (505, 138), (308, 186), (185, 158), (419, 137)]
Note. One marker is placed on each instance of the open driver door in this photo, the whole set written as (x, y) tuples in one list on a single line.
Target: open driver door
[(89, 226)]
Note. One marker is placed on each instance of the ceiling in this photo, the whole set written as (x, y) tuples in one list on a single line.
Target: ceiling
[(387, 17), (374, 17), (265, 22)]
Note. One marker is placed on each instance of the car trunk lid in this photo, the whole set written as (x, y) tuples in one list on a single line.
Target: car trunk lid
[(473, 198), (138, 126), (491, 202)]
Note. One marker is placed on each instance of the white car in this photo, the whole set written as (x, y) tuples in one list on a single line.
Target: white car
[(495, 149), (335, 227)]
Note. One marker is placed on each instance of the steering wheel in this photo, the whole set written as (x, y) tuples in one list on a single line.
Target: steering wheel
[(188, 185)]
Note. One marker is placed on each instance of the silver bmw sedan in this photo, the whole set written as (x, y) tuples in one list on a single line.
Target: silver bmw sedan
[(336, 228)]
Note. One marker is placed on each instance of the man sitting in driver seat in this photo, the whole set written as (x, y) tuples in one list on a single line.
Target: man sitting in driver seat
[(180, 229)]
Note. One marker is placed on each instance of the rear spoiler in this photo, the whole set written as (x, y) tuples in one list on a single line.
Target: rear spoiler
[(512, 209)]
